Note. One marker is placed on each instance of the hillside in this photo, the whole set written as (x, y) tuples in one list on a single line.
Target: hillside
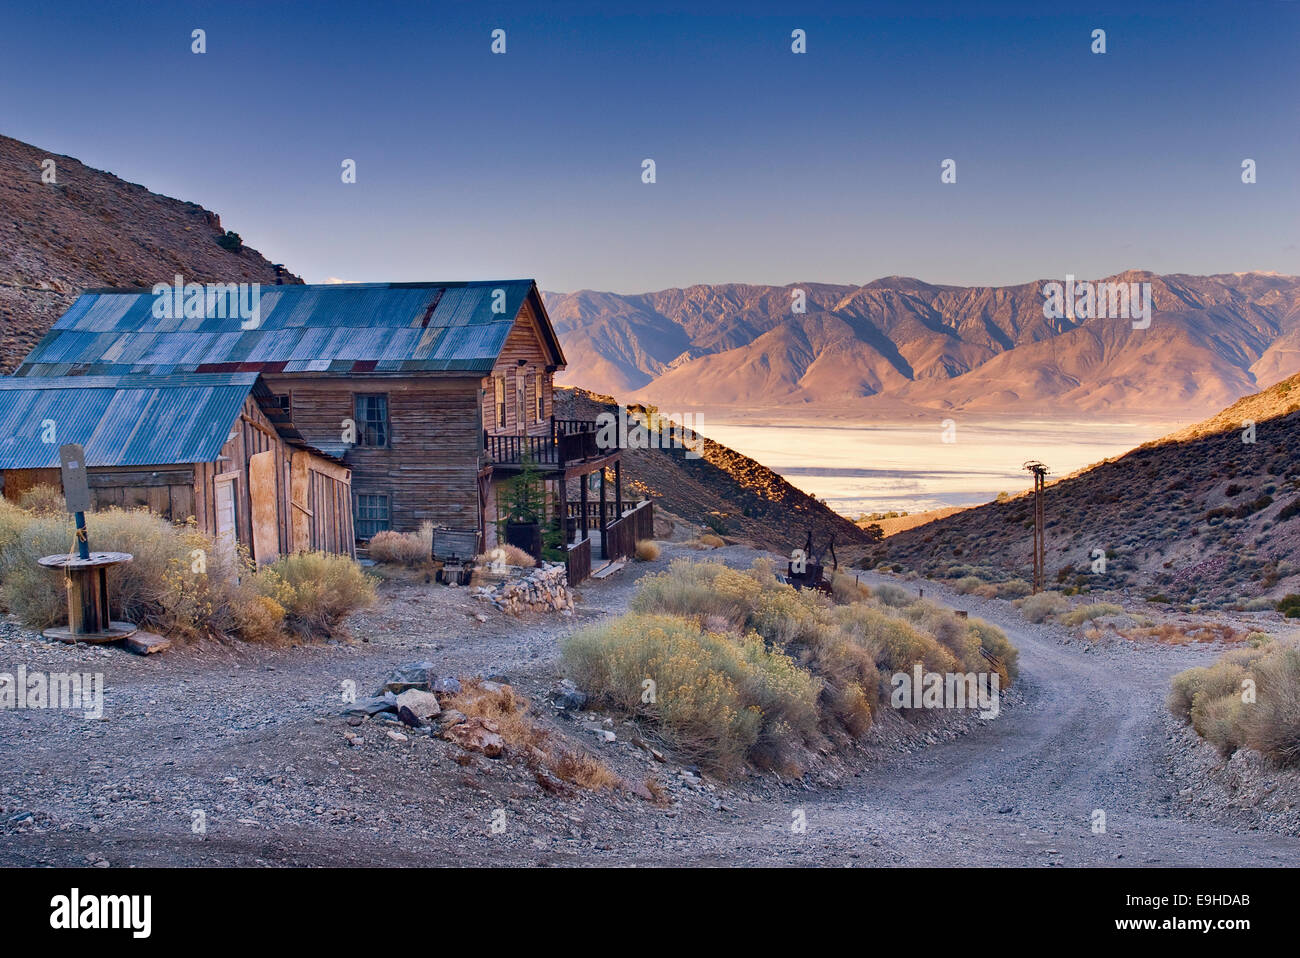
[(91, 229), (899, 346), (1197, 516), (751, 502)]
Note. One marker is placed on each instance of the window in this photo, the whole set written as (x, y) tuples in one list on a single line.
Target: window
[(285, 403), (539, 403), (372, 515), (372, 419), (499, 384)]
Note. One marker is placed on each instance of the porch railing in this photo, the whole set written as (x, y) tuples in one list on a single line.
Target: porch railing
[(569, 440)]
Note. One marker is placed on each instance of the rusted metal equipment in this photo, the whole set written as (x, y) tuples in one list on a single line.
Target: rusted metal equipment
[(806, 569), (457, 550)]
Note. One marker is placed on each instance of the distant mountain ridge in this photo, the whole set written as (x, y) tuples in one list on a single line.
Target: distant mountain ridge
[(902, 344)]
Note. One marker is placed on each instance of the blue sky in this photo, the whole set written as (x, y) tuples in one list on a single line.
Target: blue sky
[(771, 167)]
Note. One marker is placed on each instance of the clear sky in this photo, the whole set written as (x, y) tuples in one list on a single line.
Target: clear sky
[(771, 167)]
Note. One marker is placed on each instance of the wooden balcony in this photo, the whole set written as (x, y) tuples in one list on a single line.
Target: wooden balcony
[(568, 449)]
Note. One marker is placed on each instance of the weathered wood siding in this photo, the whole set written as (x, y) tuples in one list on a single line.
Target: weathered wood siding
[(429, 469), (166, 490), (524, 342)]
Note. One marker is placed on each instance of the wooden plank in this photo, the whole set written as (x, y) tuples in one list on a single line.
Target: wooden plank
[(264, 507), (146, 643)]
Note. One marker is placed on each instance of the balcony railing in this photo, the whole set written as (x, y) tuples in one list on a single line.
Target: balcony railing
[(569, 441)]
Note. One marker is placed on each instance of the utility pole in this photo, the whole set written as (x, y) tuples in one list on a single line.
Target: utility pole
[(1040, 480)]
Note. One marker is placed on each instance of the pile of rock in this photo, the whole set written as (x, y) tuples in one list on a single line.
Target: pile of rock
[(414, 696), (544, 589)]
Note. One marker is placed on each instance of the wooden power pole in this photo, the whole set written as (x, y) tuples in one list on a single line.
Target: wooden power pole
[(1040, 480)]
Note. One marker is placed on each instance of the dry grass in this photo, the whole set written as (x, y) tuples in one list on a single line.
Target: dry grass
[(710, 541), (44, 500), (1182, 633), (647, 550), (534, 744)]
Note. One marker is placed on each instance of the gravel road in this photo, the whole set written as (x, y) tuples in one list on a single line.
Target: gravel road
[(252, 737)]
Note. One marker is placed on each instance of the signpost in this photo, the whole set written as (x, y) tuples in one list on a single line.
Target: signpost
[(86, 573)]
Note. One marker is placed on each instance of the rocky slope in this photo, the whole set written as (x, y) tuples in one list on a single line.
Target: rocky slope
[(899, 345), (1200, 516), (90, 229), (744, 498)]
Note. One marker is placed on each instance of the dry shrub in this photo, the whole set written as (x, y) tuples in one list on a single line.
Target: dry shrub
[(749, 669), (717, 700), (399, 548), (647, 550), (1014, 589), (44, 500), (1211, 699), (1175, 633), (995, 642), (1041, 607), (322, 590), (1272, 724), (846, 589), (711, 541), (893, 595), (507, 554), (987, 592), (511, 714), (583, 770), (967, 584), (1086, 613), (697, 590)]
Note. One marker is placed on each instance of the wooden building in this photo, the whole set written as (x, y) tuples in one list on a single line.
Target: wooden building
[(433, 394), (215, 447)]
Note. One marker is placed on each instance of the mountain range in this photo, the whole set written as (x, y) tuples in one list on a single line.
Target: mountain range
[(900, 346)]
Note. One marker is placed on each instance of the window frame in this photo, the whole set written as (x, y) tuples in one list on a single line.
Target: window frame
[(363, 423), (359, 518)]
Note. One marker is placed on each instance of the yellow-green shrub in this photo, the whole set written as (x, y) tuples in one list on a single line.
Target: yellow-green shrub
[(718, 700), (324, 589), (698, 590)]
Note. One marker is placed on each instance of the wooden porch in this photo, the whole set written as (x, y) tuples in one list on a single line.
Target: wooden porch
[(569, 449)]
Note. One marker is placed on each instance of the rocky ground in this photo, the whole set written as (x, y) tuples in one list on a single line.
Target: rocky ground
[(252, 743)]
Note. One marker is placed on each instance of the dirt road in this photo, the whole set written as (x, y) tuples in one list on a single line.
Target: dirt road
[(251, 738)]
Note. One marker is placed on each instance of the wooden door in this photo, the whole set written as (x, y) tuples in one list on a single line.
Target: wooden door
[(226, 516)]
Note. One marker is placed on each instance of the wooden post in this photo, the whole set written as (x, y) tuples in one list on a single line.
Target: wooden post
[(582, 507), (618, 489), (604, 536)]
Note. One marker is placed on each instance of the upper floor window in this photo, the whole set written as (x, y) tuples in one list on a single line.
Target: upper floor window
[(539, 400), (499, 387), (372, 419)]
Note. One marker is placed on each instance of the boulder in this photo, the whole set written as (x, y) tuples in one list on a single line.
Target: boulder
[(568, 696), (476, 735), (372, 706), (423, 704), (447, 685), (414, 675)]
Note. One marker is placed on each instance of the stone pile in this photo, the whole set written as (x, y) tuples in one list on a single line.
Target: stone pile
[(544, 589)]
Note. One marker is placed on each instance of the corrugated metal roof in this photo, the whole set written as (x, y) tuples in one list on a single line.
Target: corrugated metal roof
[(119, 421), (404, 326)]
